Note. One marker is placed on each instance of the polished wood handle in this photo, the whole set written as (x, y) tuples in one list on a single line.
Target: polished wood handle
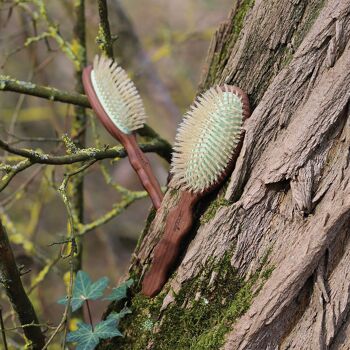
[(141, 165), (178, 224)]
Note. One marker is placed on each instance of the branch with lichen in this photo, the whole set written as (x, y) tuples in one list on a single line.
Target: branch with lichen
[(25, 87), (9, 84), (12, 171), (75, 188), (104, 38), (10, 279), (81, 155), (72, 50), (117, 209), (72, 251)]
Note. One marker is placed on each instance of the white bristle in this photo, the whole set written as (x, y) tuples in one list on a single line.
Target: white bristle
[(117, 95), (206, 139)]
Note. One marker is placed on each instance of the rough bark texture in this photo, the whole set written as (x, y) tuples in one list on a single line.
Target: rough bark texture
[(267, 266)]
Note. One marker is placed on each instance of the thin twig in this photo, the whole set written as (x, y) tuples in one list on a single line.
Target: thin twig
[(66, 310), (19, 139), (12, 196), (124, 203), (65, 316), (3, 332), (18, 108), (73, 244), (82, 168), (81, 155), (43, 325), (43, 273)]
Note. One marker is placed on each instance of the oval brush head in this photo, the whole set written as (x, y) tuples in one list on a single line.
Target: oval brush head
[(207, 145), (117, 95), (207, 137)]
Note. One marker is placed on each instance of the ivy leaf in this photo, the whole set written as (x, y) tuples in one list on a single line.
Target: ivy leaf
[(117, 316), (85, 289), (84, 337), (88, 339), (120, 292), (107, 329)]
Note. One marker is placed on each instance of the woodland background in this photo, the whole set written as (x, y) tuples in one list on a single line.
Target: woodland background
[(163, 46)]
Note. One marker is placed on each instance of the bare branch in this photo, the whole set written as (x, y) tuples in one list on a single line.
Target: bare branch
[(11, 280), (25, 87), (24, 164)]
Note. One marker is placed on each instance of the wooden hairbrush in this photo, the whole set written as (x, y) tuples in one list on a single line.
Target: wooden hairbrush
[(207, 145), (118, 105)]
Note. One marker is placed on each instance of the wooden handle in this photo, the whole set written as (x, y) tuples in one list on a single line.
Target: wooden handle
[(137, 159), (178, 224), (141, 165)]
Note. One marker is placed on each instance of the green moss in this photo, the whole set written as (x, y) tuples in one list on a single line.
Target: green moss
[(137, 327), (310, 15), (303, 15), (199, 317), (238, 19), (220, 59), (237, 23), (265, 274), (213, 208), (306, 19), (215, 336), (197, 307), (287, 58)]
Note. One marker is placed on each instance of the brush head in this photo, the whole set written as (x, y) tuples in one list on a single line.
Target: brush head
[(117, 95), (208, 138)]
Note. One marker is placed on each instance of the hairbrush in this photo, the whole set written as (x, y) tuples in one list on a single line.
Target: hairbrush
[(207, 145), (118, 105)]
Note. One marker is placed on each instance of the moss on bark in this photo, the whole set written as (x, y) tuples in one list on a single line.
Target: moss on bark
[(220, 58), (198, 318)]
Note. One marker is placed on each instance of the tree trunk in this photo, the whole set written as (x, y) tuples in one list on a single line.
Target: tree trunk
[(267, 265)]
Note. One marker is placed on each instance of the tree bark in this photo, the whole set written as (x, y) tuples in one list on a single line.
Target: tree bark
[(267, 264)]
